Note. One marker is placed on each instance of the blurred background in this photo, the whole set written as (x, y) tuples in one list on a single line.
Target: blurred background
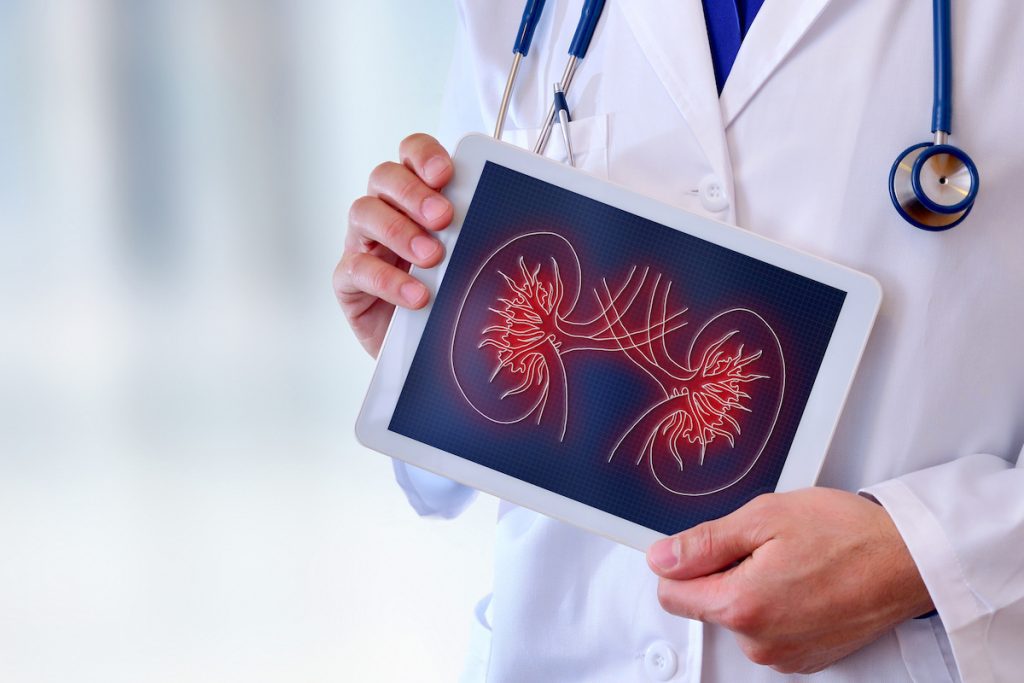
[(181, 495)]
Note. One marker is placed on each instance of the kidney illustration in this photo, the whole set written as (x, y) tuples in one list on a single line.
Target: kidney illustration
[(715, 390)]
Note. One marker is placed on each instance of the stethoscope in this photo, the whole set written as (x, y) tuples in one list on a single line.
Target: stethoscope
[(589, 17), (933, 185)]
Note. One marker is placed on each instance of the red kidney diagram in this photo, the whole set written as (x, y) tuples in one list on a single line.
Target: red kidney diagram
[(716, 388)]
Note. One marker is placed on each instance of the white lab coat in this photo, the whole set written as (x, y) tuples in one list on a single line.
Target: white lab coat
[(823, 96)]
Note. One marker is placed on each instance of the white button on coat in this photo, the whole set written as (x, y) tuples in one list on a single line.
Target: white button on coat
[(660, 661), (712, 194)]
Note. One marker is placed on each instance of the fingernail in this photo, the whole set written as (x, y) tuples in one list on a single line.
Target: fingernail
[(664, 554), (435, 167), (423, 247), (433, 208), (413, 292)]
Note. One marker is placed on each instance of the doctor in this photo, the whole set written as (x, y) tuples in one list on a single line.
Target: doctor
[(822, 96)]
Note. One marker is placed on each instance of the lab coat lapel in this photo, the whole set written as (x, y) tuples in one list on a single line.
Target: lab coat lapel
[(673, 36), (779, 26)]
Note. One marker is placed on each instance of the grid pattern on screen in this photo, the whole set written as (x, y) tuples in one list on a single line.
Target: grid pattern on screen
[(605, 393)]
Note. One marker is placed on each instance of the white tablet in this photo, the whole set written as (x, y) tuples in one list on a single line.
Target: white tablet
[(612, 361)]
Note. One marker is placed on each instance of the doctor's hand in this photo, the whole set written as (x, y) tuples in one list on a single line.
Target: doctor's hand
[(389, 229), (821, 573)]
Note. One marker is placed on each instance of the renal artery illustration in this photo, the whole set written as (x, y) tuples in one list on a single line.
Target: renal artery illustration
[(522, 316)]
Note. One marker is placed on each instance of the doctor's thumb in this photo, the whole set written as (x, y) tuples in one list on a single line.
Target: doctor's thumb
[(705, 549)]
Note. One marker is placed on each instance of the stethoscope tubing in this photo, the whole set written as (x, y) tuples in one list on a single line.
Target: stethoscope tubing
[(903, 180), (581, 39), (590, 14), (906, 186), (521, 48), (942, 92)]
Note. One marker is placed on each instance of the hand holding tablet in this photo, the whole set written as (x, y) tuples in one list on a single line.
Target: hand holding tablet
[(389, 230), (612, 361)]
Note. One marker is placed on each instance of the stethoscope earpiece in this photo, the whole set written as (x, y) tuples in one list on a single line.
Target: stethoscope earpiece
[(933, 185)]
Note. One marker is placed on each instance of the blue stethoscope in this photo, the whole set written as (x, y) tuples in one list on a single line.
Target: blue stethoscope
[(933, 185)]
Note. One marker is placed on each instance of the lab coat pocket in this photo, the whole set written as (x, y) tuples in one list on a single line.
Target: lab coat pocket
[(588, 136), (478, 655)]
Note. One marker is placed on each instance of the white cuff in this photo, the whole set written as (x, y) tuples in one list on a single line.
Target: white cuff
[(432, 495), (964, 615)]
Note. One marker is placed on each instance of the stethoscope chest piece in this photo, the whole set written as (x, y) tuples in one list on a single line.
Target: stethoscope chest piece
[(933, 186)]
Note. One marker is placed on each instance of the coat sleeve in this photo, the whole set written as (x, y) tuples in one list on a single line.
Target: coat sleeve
[(429, 494), (963, 523)]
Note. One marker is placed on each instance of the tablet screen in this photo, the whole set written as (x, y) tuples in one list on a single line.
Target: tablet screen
[(613, 360)]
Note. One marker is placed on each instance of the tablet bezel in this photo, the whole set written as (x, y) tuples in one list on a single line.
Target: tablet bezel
[(817, 423)]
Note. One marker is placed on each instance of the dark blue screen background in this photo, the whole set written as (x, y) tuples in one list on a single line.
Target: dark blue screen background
[(606, 392)]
